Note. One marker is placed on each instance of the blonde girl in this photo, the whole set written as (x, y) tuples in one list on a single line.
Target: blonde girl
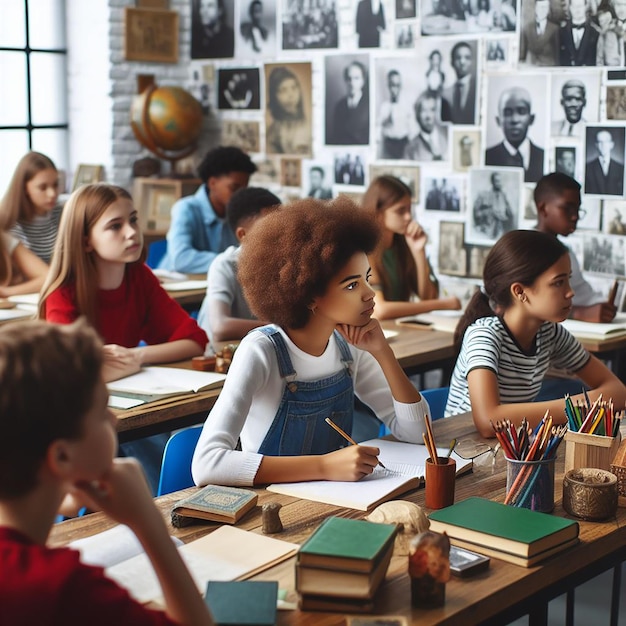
[(30, 208), (97, 271), (400, 269)]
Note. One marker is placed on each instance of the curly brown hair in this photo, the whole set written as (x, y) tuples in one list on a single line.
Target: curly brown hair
[(291, 255)]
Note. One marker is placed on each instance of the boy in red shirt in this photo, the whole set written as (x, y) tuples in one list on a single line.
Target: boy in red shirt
[(60, 443)]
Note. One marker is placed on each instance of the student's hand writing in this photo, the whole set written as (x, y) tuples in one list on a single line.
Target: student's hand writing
[(603, 312), (416, 237), (351, 463), (120, 361), (369, 337)]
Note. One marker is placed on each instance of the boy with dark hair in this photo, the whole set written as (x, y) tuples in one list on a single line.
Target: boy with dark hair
[(197, 232), (225, 313), (62, 435), (557, 197)]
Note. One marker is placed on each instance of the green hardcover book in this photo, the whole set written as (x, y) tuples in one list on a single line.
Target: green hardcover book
[(214, 503), (243, 602), (497, 526), (347, 544)]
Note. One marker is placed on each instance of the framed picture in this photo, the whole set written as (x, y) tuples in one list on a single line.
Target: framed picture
[(291, 172), (452, 254), (86, 175), (160, 208), (150, 35), (618, 291)]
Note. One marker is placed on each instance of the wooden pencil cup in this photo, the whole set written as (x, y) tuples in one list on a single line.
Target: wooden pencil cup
[(585, 450), (440, 478)]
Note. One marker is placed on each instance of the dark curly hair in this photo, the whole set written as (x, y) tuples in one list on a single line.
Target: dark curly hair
[(552, 185), (248, 202), (224, 160), (292, 254)]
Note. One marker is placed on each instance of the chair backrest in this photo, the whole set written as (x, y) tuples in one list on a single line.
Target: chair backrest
[(176, 463), (156, 251)]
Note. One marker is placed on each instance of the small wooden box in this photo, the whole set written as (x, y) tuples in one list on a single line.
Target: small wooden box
[(584, 450), (618, 467)]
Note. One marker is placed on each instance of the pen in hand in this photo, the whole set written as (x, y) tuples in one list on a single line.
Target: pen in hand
[(345, 435)]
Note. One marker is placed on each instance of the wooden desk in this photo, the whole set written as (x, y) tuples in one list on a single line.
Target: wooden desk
[(496, 596), (190, 299)]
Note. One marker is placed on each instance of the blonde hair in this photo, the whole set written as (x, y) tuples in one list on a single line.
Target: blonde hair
[(16, 205), (71, 263)]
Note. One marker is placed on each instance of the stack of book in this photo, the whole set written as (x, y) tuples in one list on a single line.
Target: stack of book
[(513, 534), (342, 564)]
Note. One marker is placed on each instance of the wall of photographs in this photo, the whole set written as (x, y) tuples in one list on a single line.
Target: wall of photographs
[(468, 101)]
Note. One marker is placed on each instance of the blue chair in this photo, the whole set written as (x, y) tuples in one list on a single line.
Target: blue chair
[(156, 251), (176, 464), (436, 398)]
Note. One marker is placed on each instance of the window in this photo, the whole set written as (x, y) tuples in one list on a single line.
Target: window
[(33, 82)]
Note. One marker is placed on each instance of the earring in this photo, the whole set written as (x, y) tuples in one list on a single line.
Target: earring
[(523, 297)]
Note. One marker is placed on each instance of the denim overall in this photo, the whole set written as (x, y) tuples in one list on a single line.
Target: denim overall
[(299, 427)]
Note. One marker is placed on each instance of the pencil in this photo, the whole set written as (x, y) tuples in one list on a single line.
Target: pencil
[(345, 435)]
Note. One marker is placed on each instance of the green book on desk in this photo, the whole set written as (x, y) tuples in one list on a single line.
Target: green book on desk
[(510, 530), (244, 602)]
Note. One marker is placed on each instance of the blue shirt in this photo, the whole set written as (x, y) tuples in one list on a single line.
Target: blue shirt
[(196, 235)]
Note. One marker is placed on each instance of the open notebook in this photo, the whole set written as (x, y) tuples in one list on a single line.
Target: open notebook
[(597, 331), (443, 319), (405, 468)]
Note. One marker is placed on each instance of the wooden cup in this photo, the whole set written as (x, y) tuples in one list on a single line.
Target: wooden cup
[(440, 479)]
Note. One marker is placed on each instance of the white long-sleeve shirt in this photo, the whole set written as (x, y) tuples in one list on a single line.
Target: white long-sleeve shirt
[(251, 396)]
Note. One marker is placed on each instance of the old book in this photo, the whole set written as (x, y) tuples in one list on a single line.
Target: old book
[(347, 544), (214, 503), (343, 584), (514, 530), (244, 603), (335, 605)]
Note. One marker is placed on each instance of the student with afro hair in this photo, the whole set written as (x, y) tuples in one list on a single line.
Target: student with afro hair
[(305, 268)]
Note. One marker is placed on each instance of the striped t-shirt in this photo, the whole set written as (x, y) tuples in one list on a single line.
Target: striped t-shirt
[(40, 234), (488, 344)]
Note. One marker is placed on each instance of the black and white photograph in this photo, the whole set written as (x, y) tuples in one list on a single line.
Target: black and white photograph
[(309, 25), (494, 207), (578, 36), (442, 193), (347, 100), (517, 123), (244, 134), (238, 88), (317, 180), (406, 9), (291, 172), (603, 254), (267, 171), (539, 33), (452, 255), (565, 161), (496, 52), (604, 160), (350, 168), (370, 22), (466, 149), (288, 110), (614, 217), (355, 196), (575, 103), (431, 142), (202, 86), (212, 34), (590, 214), (477, 255), (451, 17), (408, 174), (616, 102), (256, 28), (404, 35)]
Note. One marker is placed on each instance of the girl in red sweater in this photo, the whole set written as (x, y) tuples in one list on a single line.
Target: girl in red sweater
[(97, 271)]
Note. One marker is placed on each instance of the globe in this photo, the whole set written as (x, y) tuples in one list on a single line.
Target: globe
[(167, 121)]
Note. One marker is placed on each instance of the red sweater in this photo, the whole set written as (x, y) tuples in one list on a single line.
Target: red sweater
[(51, 587), (139, 309)]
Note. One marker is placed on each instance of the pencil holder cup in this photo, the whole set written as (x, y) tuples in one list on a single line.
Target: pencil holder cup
[(585, 450), (590, 493), (440, 477), (530, 484)]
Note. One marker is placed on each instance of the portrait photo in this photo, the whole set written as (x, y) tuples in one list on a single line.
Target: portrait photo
[(565, 161), (347, 100), (604, 160), (212, 33), (256, 32), (442, 193), (575, 103), (309, 25), (291, 172), (496, 52), (614, 217), (202, 86), (616, 102), (539, 33), (603, 254), (406, 9), (288, 117), (244, 134), (408, 174), (452, 258), (405, 35), (495, 203), (349, 168), (516, 123), (451, 17), (317, 179), (370, 22), (238, 88), (267, 171), (590, 214), (466, 149)]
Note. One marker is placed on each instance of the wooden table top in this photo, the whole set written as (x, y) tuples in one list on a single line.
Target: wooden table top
[(468, 600)]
